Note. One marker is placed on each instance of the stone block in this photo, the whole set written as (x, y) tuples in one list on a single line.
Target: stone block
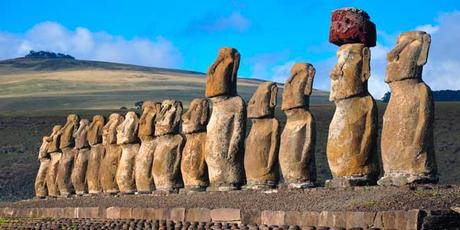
[(360, 219), (350, 25), (198, 215), (226, 215), (325, 218), (378, 220), (89, 212), (389, 219), (251, 217), (273, 217), (293, 218), (177, 214)]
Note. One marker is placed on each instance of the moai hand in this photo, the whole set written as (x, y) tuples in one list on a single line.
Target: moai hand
[(297, 148), (97, 151), (111, 156), (262, 143), (407, 134)]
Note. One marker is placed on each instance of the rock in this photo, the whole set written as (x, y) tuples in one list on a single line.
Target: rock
[(97, 151), (351, 25), (352, 139), (407, 134), (169, 145), (144, 158), (67, 142), (44, 158), (82, 151), (127, 139), (193, 165), (55, 156), (262, 143), (297, 146), (222, 75), (298, 87), (112, 154), (225, 143)]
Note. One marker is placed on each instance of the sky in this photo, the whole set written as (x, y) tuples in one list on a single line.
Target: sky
[(271, 35)]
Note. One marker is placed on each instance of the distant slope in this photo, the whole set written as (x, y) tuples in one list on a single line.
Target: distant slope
[(38, 84)]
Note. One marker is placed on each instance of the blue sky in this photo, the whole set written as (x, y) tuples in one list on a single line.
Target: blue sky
[(271, 35)]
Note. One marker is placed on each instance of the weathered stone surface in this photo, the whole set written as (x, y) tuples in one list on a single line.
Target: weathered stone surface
[(407, 134), (95, 130), (127, 139), (67, 139), (177, 214), (112, 154), (263, 102), (298, 86), (226, 215), (225, 143), (351, 149), (44, 158), (193, 165), (273, 217), (96, 153), (51, 174), (351, 25), (144, 158), (78, 176), (168, 147), (198, 215), (222, 74)]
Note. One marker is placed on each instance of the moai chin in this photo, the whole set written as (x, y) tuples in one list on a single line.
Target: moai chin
[(128, 141), (168, 147), (407, 134), (67, 143), (262, 143), (82, 154), (297, 147), (193, 165), (144, 158), (96, 153), (227, 125), (55, 154), (112, 154), (352, 139), (44, 158)]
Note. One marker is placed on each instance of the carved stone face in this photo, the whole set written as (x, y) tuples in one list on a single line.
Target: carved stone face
[(80, 136), (350, 74), (197, 116), (150, 109), (222, 75), (298, 86), (68, 130), (109, 132), (95, 130), (406, 60), (168, 120), (263, 102)]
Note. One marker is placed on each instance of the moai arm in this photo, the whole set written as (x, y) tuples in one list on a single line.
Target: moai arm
[(366, 141), (238, 132), (310, 141), (274, 144)]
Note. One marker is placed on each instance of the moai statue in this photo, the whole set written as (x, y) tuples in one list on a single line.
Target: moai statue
[(352, 139), (262, 143), (193, 165), (112, 154), (67, 144), (227, 125), (144, 158), (129, 142), (55, 154), (407, 134), (97, 151), (297, 147), (82, 150), (168, 147), (44, 158)]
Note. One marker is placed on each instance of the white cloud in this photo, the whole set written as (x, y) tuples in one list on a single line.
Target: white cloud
[(85, 44), (427, 28)]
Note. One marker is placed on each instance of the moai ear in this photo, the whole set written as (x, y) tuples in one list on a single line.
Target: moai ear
[(273, 95), (423, 57), (205, 114), (310, 76), (366, 68)]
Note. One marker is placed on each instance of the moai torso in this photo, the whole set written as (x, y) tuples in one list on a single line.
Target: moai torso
[(168, 147), (97, 151), (297, 148), (193, 166), (262, 143), (226, 127), (82, 154), (407, 133), (109, 163), (351, 149)]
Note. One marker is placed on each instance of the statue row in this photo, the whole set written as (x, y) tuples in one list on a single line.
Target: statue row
[(212, 152)]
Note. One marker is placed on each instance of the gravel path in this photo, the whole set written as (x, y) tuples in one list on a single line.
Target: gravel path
[(317, 199)]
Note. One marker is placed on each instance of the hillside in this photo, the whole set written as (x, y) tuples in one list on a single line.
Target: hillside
[(46, 84)]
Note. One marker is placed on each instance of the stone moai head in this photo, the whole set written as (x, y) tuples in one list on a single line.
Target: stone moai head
[(263, 101), (68, 130), (406, 60), (351, 25), (298, 87), (55, 130), (95, 130), (109, 132), (127, 130), (350, 74), (81, 140), (197, 116), (167, 122), (150, 110), (222, 75)]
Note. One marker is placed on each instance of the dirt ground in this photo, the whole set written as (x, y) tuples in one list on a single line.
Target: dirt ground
[(21, 136)]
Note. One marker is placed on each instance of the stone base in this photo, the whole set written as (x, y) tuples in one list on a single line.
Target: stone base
[(297, 185), (344, 182), (224, 188), (143, 192), (401, 179), (192, 189), (165, 191), (266, 185)]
